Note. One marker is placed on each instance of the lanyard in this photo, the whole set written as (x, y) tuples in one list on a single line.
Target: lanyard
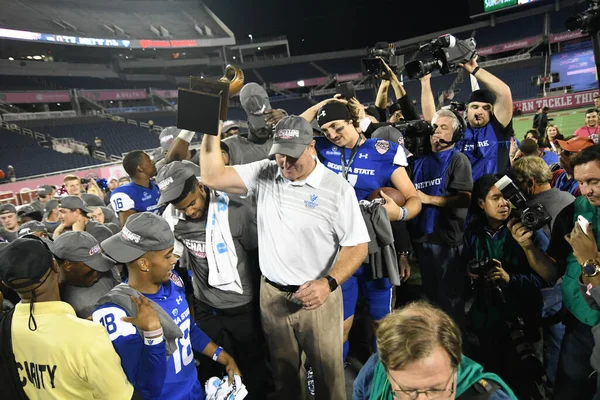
[(346, 167)]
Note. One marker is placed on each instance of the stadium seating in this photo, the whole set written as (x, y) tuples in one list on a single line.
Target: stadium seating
[(85, 82), (117, 137), (16, 82), (292, 72), (508, 31), (135, 17), (29, 159)]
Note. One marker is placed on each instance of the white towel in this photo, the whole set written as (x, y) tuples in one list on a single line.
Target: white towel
[(220, 250)]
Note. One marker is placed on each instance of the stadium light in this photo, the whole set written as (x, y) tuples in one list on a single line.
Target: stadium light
[(29, 58), (58, 104), (251, 37), (11, 59), (37, 57), (300, 83), (234, 57), (258, 48)]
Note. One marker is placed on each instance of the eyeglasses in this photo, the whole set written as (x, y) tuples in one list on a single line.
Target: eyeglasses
[(431, 394)]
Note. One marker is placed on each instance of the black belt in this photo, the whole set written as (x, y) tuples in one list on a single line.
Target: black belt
[(283, 288)]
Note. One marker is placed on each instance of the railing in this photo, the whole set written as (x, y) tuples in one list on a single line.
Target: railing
[(39, 115), (132, 109), (26, 178)]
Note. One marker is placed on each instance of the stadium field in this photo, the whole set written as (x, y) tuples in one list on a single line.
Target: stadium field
[(567, 121)]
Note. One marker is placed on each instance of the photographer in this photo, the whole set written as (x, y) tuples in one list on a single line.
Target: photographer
[(507, 309), (572, 253), (403, 108), (444, 183), (489, 116)]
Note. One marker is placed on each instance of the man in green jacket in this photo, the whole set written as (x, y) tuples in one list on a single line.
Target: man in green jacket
[(420, 352)]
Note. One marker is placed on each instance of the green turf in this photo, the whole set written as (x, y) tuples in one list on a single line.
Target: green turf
[(567, 121)]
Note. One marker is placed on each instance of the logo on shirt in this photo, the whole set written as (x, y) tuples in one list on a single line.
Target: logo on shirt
[(333, 151), (382, 146), (176, 279), (178, 300), (312, 202), (426, 184), (363, 155), (196, 247), (175, 312), (471, 146), (147, 196)]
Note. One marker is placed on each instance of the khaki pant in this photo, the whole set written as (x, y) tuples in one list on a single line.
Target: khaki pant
[(291, 330)]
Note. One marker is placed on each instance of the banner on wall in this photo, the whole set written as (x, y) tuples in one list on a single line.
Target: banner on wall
[(560, 102)]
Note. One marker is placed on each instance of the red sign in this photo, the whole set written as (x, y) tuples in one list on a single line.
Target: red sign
[(105, 95), (35, 97), (561, 102), (515, 45), (167, 94), (144, 44)]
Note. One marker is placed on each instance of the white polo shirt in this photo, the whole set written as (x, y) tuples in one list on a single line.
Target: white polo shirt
[(302, 224)]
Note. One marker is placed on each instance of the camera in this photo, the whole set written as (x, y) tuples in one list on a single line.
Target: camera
[(416, 136), (371, 65), (480, 268), (447, 52), (532, 217), (587, 21), (85, 181)]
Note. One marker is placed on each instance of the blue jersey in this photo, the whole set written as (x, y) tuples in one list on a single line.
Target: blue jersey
[(147, 367), (372, 167), (135, 197), (487, 148)]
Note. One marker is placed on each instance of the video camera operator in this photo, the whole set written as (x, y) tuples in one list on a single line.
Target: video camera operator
[(403, 108), (506, 312), (489, 117), (574, 254)]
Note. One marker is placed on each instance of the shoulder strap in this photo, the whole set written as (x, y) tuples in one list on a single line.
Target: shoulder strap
[(480, 390), (9, 378)]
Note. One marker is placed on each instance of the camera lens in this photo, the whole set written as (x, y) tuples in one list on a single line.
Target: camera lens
[(530, 220)]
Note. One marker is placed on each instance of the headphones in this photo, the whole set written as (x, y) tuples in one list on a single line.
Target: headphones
[(459, 132)]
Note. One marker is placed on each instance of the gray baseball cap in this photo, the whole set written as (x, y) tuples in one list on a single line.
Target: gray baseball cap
[(8, 209), (143, 232), (228, 125), (167, 136), (25, 210), (31, 227), (74, 203), (82, 247), (50, 206), (291, 136), (171, 179), (44, 190), (255, 101), (389, 133)]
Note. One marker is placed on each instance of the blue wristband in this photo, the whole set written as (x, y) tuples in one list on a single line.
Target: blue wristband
[(215, 356)]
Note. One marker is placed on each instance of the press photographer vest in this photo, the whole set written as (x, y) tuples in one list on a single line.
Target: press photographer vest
[(430, 173), (486, 151), (572, 297)]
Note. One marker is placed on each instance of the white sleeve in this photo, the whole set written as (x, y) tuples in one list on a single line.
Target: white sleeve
[(364, 124), (350, 225), (401, 158), (110, 318), (121, 202), (249, 173)]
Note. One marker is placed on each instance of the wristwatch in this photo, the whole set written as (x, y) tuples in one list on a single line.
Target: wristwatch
[(590, 268), (332, 282)]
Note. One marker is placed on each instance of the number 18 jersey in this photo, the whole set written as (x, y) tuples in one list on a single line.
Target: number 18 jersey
[(143, 364)]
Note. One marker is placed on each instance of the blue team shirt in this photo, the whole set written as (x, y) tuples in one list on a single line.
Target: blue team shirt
[(373, 165), (135, 197), (145, 365)]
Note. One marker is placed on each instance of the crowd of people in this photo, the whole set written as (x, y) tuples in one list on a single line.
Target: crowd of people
[(236, 271)]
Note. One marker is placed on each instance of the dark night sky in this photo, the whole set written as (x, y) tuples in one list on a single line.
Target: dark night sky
[(325, 26)]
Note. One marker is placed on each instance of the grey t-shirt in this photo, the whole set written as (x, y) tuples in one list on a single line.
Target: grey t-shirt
[(9, 236), (553, 200), (50, 226), (450, 224), (192, 234), (83, 299), (244, 151)]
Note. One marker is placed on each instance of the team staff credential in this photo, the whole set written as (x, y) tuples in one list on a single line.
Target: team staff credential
[(54, 354), (148, 318), (142, 193)]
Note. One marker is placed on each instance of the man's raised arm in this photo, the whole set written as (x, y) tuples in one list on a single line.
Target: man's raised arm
[(214, 173)]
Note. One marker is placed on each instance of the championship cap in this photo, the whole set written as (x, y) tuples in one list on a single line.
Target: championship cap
[(291, 136), (82, 247), (44, 190), (50, 206), (576, 144), (143, 232), (229, 125), (171, 179), (31, 227), (167, 136), (255, 101), (74, 203)]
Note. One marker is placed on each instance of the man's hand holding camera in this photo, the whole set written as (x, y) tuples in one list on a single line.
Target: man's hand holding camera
[(497, 273), (471, 65), (583, 243), (522, 235)]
